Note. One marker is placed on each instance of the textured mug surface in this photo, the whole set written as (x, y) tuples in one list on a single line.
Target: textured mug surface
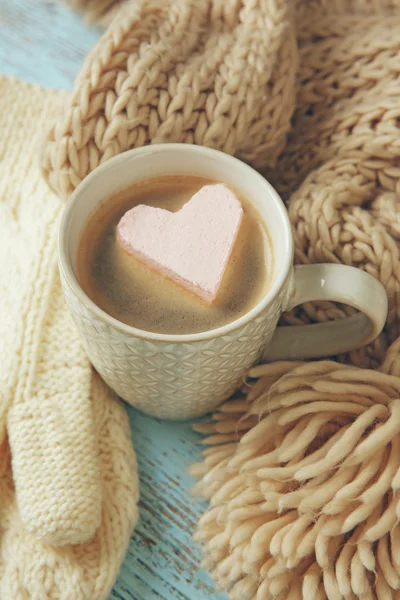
[(173, 380), (174, 376)]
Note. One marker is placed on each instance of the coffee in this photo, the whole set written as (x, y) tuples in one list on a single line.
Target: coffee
[(136, 295)]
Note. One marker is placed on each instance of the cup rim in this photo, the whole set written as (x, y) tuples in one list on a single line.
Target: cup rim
[(66, 269)]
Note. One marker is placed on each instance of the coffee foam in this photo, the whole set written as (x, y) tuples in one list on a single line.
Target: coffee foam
[(138, 296)]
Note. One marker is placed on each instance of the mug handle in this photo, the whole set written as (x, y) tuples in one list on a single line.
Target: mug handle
[(339, 283)]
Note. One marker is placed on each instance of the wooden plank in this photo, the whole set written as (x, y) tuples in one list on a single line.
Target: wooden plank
[(163, 561), (43, 41)]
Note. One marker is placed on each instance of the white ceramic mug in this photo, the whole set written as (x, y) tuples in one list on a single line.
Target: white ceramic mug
[(182, 376)]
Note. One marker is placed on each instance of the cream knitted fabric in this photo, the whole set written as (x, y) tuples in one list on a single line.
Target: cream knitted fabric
[(45, 377), (217, 73), (54, 419), (30, 569)]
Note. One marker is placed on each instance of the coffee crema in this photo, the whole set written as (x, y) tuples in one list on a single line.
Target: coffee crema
[(138, 296)]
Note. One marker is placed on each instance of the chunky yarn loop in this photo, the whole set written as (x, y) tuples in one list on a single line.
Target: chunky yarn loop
[(207, 72)]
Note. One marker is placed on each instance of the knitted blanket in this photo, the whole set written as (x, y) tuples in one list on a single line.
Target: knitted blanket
[(308, 96)]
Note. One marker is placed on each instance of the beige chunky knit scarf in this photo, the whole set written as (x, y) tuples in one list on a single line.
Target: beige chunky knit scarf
[(214, 73), (308, 92)]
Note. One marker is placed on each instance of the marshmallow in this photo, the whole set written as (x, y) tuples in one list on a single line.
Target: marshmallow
[(192, 246)]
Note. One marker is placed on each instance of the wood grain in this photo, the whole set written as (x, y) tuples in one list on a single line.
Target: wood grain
[(43, 41)]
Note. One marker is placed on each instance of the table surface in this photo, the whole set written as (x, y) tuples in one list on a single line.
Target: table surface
[(43, 41)]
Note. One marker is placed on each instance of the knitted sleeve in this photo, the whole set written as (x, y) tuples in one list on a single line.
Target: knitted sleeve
[(73, 465), (44, 373)]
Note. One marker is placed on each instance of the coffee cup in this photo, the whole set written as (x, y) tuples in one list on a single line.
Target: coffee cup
[(185, 376)]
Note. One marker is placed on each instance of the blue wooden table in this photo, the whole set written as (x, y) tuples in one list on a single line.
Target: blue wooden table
[(44, 42)]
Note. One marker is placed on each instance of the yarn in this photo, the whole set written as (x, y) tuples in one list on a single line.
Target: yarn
[(303, 478), (339, 170), (45, 376), (70, 499), (214, 73)]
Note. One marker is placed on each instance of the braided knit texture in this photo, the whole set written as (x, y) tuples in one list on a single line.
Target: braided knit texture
[(214, 73), (69, 503), (339, 172)]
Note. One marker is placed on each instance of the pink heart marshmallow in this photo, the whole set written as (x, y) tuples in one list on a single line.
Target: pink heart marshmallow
[(192, 246)]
